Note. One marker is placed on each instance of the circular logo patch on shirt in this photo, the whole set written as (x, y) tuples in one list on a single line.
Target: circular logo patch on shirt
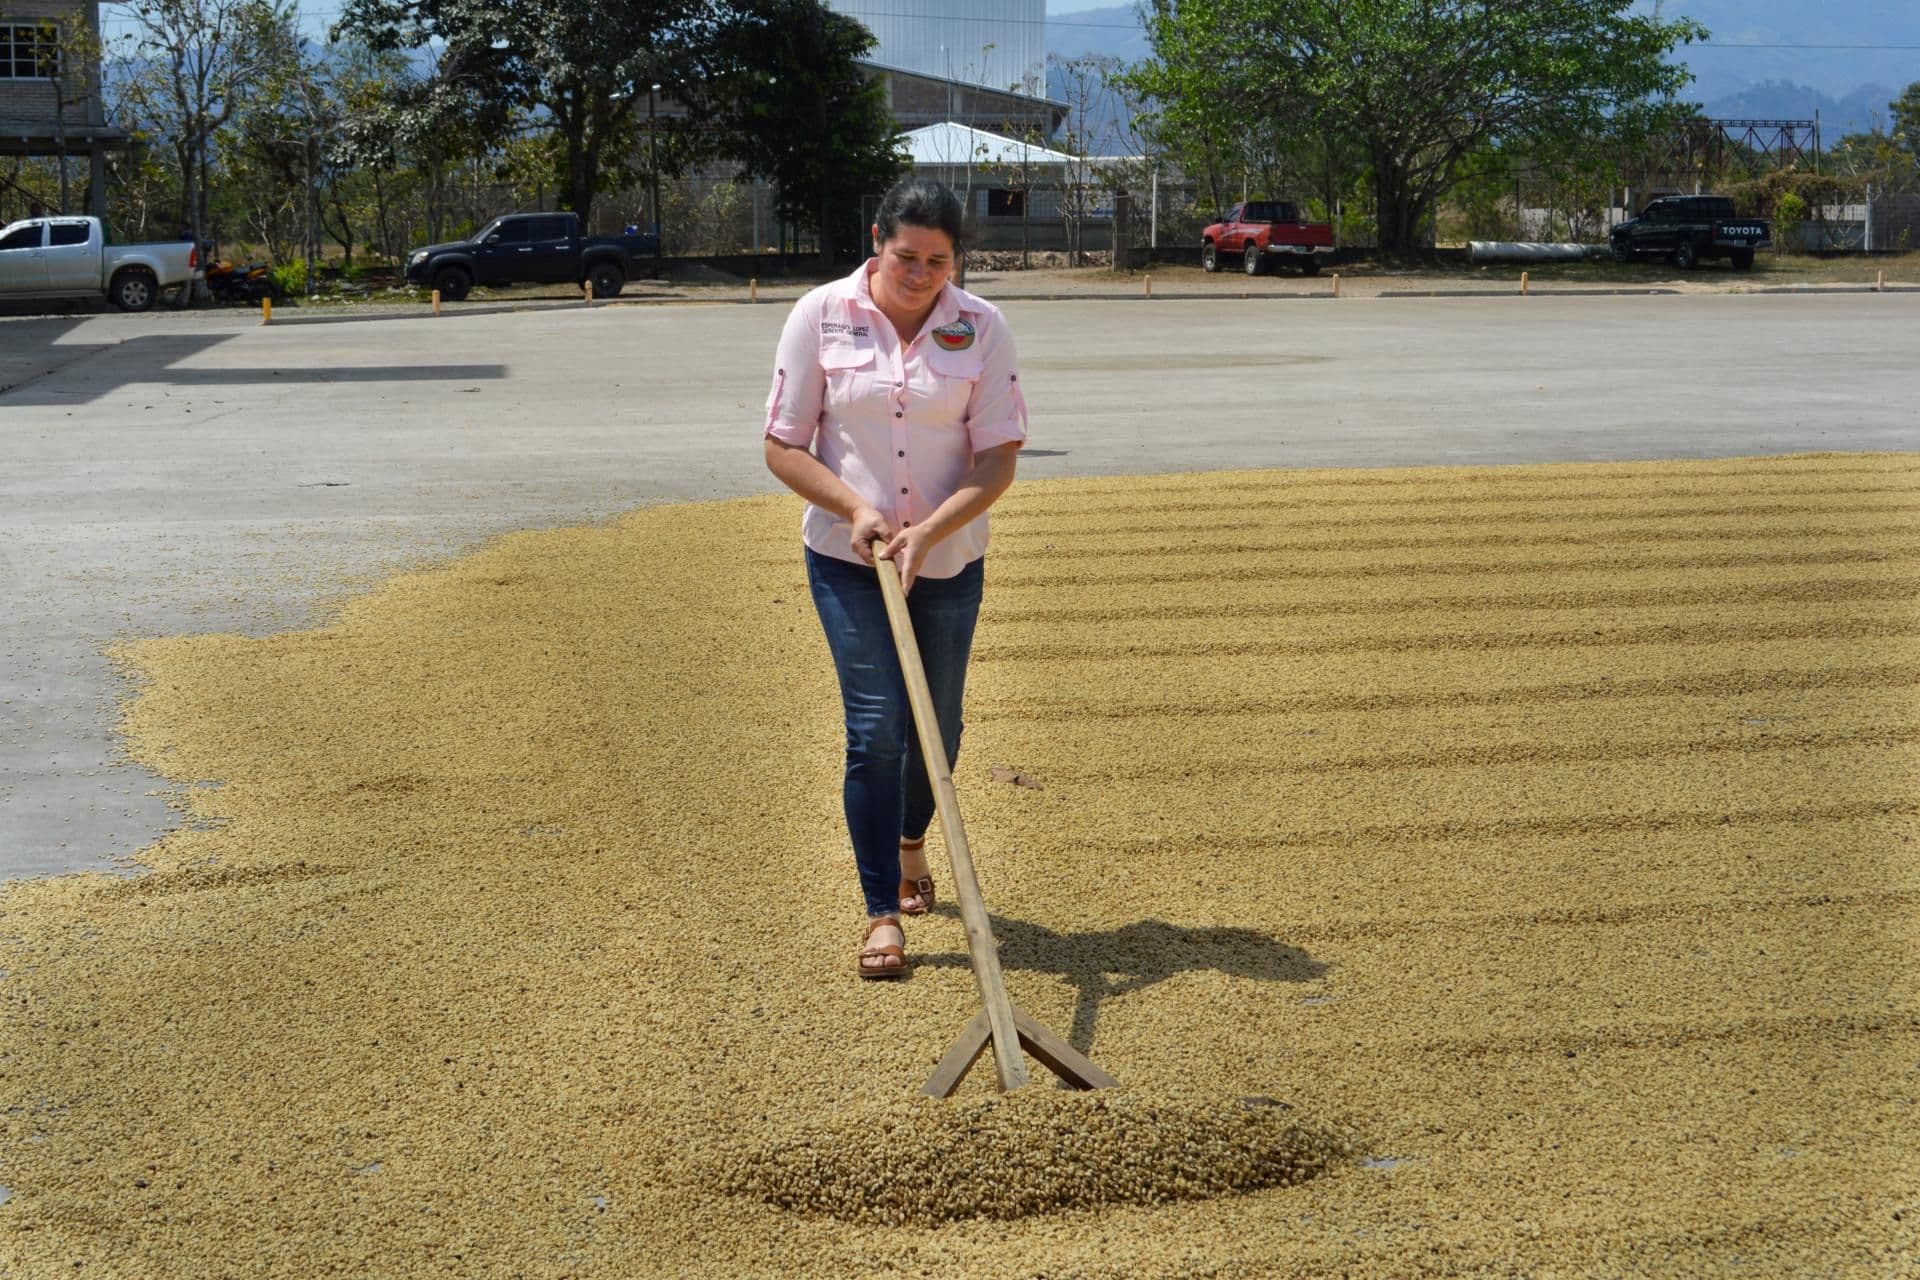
[(957, 336)]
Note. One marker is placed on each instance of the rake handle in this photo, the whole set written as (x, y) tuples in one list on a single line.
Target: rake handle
[(981, 949)]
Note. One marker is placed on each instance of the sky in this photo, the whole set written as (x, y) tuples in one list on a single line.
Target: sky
[(1834, 47)]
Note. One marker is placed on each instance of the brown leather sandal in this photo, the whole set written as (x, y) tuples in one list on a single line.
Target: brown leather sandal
[(920, 887), (869, 953)]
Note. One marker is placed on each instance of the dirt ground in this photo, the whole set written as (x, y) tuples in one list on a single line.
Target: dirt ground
[(1549, 830)]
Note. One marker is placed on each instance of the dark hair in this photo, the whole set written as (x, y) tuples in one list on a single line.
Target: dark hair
[(920, 202)]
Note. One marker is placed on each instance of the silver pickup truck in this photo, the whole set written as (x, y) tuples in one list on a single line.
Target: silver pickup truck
[(69, 258)]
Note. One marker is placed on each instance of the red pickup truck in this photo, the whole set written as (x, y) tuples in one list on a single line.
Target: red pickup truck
[(1260, 232)]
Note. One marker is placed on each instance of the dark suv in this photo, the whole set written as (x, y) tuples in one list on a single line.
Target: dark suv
[(531, 248), (1690, 229)]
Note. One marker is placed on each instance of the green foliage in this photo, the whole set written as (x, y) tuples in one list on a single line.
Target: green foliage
[(1789, 216), (797, 109), (587, 64), (1906, 120), (1414, 85), (1793, 193), (292, 277)]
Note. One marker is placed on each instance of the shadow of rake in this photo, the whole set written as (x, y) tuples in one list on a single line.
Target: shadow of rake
[(1117, 962)]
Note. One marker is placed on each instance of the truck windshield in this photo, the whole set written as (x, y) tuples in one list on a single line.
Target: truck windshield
[(1269, 211)]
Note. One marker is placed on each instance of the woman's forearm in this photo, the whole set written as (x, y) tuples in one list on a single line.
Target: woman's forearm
[(807, 476), (992, 473)]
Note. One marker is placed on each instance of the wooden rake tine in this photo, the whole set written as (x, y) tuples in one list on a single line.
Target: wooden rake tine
[(998, 1022)]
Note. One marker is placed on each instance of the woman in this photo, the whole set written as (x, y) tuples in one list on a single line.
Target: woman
[(896, 413)]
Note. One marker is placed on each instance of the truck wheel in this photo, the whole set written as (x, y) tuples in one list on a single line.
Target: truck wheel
[(1209, 257), (1311, 267), (134, 289), (1684, 256), (453, 283), (607, 279), (1620, 253), (1253, 260), (1742, 259)]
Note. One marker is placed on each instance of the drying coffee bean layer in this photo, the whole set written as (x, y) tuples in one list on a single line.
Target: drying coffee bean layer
[(919, 1161), (1543, 837)]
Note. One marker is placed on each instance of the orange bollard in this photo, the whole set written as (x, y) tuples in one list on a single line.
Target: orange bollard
[(753, 289), (1523, 284), (1149, 286), (436, 302), (266, 311), (1336, 284), (586, 292)]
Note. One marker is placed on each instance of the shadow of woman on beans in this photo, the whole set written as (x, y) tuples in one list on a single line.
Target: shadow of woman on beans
[(1117, 962)]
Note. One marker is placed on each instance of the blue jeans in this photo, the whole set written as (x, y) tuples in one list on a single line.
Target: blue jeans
[(887, 796)]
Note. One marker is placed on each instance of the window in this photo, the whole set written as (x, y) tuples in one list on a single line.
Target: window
[(29, 51), (1269, 211), (549, 228), (1005, 204), (512, 232), (68, 233), (27, 237)]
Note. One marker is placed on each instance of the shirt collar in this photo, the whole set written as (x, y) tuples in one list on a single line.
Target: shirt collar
[(858, 288)]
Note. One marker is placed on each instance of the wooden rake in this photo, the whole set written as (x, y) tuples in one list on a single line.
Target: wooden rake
[(998, 1022)]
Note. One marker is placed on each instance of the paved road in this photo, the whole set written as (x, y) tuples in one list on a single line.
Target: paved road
[(197, 472)]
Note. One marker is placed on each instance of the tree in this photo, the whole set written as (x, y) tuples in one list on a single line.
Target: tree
[(1906, 120), (1418, 84), (794, 107), (197, 60), (280, 148), (584, 66), (68, 57)]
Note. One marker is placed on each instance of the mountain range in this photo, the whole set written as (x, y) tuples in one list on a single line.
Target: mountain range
[(1763, 59)]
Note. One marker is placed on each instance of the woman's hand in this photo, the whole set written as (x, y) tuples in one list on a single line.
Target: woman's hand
[(869, 526), (908, 550)]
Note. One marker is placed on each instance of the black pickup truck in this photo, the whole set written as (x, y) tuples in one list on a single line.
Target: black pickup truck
[(531, 248), (1690, 229)]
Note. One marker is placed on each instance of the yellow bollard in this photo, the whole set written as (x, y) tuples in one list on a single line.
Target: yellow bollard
[(1880, 285), (1336, 284), (586, 292), (266, 311), (1523, 284), (753, 287), (1149, 286), (436, 302)]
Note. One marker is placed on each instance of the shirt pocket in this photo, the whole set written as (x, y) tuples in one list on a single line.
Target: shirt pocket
[(954, 375), (849, 369)]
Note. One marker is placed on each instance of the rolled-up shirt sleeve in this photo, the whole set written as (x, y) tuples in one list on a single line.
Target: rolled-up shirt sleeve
[(996, 411), (799, 383)]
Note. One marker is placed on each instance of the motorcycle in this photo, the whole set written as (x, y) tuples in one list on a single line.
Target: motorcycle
[(250, 283)]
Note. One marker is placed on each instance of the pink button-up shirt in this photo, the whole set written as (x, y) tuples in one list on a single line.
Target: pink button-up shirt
[(898, 424)]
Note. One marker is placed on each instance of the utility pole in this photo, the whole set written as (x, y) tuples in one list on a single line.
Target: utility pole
[(653, 177), (306, 103)]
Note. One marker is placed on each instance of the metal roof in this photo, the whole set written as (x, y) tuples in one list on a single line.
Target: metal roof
[(951, 143)]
